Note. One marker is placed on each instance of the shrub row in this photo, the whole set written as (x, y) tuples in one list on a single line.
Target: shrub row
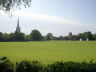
[(35, 66)]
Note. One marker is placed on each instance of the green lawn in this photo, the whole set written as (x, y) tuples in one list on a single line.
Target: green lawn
[(49, 51)]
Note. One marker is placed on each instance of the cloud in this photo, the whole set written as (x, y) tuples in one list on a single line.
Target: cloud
[(47, 18), (43, 17)]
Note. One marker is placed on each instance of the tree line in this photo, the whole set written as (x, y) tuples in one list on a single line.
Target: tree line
[(35, 66), (83, 36), (35, 35)]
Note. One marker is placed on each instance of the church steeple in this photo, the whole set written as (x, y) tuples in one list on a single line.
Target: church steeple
[(18, 28)]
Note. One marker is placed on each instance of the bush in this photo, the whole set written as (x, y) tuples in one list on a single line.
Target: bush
[(56, 67), (6, 65), (28, 66), (71, 67), (35, 66)]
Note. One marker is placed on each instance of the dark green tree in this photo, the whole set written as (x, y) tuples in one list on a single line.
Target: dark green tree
[(94, 36), (35, 35), (88, 35), (1, 36), (19, 36), (49, 36), (27, 37)]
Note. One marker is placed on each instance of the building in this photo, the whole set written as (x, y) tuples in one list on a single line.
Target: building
[(18, 27)]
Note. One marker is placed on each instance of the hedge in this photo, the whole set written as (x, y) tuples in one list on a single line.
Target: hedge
[(35, 66)]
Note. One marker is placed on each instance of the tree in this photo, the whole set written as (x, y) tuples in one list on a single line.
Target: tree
[(1, 36), (19, 36), (6, 37), (7, 5), (94, 36), (35, 35), (11, 36), (27, 37), (49, 36), (61, 37), (88, 35)]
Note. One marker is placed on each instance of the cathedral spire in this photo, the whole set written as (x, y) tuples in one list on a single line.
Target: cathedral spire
[(18, 28)]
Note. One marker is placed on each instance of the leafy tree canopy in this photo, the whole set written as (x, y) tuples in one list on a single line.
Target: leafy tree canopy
[(49, 36), (35, 35), (7, 5)]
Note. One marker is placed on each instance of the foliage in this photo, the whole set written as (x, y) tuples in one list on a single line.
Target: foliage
[(49, 36), (72, 67), (56, 67), (84, 36), (87, 35), (19, 36), (35, 66), (28, 66), (6, 65), (27, 38), (6, 37), (7, 5), (35, 35), (23, 66), (1, 36), (12, 36)]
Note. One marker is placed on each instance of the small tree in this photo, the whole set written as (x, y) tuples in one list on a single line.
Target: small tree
[(35, 35), (49, 36)]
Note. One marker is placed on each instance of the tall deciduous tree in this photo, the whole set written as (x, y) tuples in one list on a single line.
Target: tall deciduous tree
[(35, 35), (88, 35)]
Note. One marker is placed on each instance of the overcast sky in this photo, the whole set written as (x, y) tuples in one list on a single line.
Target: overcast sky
[(56, 16)]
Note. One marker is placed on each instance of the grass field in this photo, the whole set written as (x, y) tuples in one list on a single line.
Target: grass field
[(49, 51)]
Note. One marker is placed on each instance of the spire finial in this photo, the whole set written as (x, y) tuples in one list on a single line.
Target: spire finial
[(18, 28)]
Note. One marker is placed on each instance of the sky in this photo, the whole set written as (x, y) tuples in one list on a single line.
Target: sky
[(58, 17)]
